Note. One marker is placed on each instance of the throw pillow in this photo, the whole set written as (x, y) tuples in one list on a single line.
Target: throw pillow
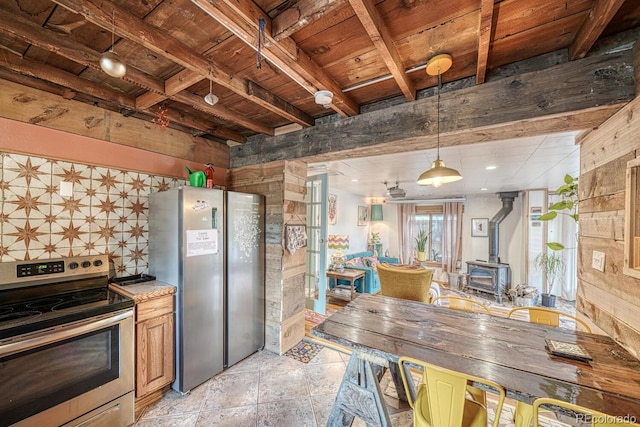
[(355, 262), (372, 262)]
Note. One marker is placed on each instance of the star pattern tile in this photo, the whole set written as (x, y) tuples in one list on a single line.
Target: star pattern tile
[(107, 211)]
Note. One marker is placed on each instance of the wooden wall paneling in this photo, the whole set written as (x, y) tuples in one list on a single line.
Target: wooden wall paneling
[(607, 179), (613, 202), (291, 331), (606, 311), (293, 295), (612, 140), (283, 184), (604, 225), (612, 279)]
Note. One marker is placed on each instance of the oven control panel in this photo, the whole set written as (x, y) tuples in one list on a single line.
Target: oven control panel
[(40, 268), (30, 272)]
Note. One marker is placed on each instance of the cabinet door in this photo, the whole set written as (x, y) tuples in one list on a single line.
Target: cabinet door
[(155, 354)]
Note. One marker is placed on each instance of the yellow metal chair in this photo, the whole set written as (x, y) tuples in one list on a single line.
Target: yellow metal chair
[(465, 304), (406, 283), (543, 316), (548, 316), (597, 418), (440, 399)]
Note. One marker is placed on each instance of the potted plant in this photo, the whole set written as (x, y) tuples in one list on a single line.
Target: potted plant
[(567, 206), (421, 244), (552, 266)]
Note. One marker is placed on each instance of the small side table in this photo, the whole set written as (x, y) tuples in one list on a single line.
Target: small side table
[(344, 292)]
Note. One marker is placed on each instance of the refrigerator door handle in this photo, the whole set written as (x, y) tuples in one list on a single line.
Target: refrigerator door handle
[(214, 218)]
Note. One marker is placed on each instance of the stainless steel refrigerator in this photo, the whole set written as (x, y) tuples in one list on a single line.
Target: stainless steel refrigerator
[(210, 244)]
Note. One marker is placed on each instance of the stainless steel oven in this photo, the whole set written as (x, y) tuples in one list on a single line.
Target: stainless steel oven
[(66, 345)]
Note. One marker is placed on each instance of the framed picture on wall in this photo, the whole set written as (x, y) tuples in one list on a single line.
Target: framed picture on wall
[(479, 227), (363, 215), (332, 209)]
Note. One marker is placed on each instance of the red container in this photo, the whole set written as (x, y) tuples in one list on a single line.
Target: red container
[(208, 171)]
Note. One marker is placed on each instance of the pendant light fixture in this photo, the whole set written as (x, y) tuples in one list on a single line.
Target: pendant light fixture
[(438, 174), (210, 98), (109, 61)]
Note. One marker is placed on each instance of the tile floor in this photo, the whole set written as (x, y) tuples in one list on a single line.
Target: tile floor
[(270, 390)]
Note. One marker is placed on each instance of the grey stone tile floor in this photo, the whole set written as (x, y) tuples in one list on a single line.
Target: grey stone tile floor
[(267, 390)]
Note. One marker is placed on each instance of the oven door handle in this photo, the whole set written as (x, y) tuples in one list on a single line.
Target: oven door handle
[(60, 335)]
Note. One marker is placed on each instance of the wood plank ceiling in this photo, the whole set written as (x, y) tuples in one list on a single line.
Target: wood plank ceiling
[(363, 51)]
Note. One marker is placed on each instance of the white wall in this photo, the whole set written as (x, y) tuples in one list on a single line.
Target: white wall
[(347, 219), (347, 223), (511, 248), (510, 245)]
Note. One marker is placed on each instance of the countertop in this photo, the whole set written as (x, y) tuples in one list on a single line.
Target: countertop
[(143, 291)]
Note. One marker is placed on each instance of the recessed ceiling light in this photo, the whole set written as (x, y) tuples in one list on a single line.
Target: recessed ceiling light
[(483, 189), (490, 168), (354, 180)]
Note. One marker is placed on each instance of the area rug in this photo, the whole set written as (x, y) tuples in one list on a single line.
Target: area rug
[(304, 351), (317, 318)]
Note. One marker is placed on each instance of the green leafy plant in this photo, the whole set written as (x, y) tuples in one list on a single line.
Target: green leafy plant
[(375, 238), (552, 265), (567, 206), (421, 240)]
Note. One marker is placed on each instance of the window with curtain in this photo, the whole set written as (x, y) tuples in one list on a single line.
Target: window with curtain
[(431, 218)]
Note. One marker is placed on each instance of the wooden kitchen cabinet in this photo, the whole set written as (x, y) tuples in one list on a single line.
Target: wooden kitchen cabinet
[(155, 354), (155, 339)]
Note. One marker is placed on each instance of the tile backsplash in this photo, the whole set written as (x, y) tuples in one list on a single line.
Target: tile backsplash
[(98, 211)]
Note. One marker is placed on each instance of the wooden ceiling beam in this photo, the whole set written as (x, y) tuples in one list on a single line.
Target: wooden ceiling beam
[(132, 28), (484, 39), (65, 46), (593, 26), (241, 17), (300, 15), (56, 75), (379, 34), (174, 84), (221, 111), (521, 105), (204, 126)]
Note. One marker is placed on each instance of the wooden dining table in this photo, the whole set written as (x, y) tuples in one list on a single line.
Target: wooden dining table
[(511, 352)]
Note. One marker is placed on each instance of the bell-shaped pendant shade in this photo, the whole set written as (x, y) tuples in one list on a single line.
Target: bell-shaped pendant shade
[(438, 174), (112, 65), (210, 99)]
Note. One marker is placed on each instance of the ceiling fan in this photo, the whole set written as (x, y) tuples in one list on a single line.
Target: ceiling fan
[(395, 192)]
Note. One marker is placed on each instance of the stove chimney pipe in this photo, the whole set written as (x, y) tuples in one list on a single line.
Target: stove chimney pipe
[(494, 234)]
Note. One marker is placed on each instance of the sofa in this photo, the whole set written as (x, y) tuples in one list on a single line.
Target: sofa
[(371, 280)]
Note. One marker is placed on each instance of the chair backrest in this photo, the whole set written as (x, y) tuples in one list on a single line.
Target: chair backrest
[(547, 316), (464, 304), (598, 419), (441, 397), (406, 283)]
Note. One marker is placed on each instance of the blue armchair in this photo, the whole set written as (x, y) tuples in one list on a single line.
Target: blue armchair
[(371, 280)]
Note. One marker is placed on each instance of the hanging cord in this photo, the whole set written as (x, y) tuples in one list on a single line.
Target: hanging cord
[(438, 113), (113, 29), (261, 24)]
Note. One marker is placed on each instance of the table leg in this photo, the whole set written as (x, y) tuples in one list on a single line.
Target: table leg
[(394, 369), (359, 396)]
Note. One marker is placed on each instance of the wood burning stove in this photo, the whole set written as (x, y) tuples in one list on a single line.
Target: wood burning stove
[(489, 277), (493, 277)]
